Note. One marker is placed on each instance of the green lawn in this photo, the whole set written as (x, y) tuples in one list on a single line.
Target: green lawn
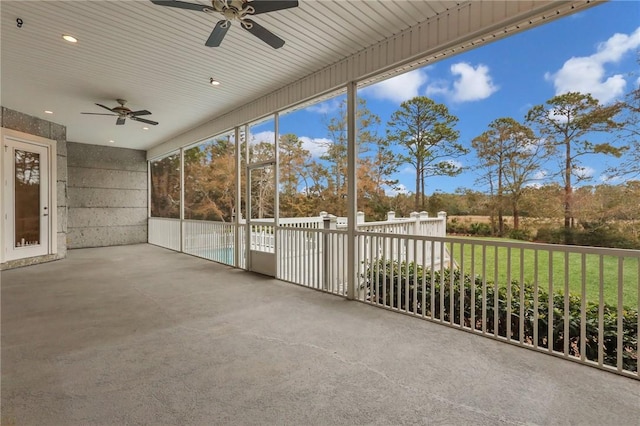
[(497, 265)]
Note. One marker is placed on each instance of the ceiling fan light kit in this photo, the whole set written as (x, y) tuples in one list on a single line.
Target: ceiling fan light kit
[(236, 10), (122, 112)]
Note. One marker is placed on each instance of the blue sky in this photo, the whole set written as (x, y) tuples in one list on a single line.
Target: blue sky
[(595, 50)]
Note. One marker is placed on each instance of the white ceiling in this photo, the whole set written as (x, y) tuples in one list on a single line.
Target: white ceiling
[(155, 58)]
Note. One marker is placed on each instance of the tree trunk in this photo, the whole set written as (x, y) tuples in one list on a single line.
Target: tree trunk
[(567, 194), (417, 204)]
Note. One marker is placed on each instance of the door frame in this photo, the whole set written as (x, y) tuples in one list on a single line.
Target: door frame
[(259, 261), (8, 136)]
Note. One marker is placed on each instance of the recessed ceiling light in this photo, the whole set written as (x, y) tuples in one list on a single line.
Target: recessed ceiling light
[(214, 82), (69, 38), (48, 112), (111, 141), (145, 128)]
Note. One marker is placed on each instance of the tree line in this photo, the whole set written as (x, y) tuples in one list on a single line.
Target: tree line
[(421, 135)]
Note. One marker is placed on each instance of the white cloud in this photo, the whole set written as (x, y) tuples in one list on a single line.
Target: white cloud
[(612, 180), (540, 174), (398, 189), (470, 84), (315, 146), (399, 88), (454, 163), (537, 179), (586, 74), (266, 136), (583, 172), (325, 107)]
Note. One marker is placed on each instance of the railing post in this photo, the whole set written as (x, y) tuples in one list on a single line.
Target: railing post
[(416, 222), (329, 222), (443, 224), (391, 216)]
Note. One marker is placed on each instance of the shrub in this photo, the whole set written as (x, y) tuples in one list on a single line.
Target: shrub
[(399, 285), (456, 227), (591, 234), (480, 229), (520, 234)]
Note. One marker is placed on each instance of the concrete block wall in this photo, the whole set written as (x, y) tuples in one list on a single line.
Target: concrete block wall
[(25, 123), (107, 196)]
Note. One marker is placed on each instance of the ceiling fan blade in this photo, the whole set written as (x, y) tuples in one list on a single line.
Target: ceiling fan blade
[(141, 112), (96, 113), (218, 33), (264, 34), (143, 120), (120, 121), (264, 6), (181, 5), (105, 107)]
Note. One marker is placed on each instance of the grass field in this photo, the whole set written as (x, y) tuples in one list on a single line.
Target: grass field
[(567, 267)]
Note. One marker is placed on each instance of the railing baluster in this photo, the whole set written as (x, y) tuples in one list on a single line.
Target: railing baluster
[(522, 301), (484, 289), (423, 285), (583, 306), (384, 277), (399, 279), (508, 318), (433, 279), (536, 302), (496, 294), (550, 306), (472, 317), (620, 331), (461, 284), (406, 275), (452, 294), (442, 283), (601, 311), (567, 336)]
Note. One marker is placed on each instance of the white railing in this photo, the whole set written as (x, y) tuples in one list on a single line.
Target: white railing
[(314, 258), (501, 290), (314, 222), (497, 289), (164, 232), (262, 238), (210, 240)]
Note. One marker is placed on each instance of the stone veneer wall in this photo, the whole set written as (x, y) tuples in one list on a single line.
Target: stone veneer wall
[(15, 120), (107, 196)]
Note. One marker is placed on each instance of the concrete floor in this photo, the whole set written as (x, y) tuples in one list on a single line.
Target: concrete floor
[(142, 335)]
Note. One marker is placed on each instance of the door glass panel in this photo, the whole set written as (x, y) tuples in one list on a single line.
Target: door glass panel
[(27, 198), (263, 193), (262, 209)]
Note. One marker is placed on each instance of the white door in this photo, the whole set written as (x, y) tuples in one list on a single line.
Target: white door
[(26, 199)]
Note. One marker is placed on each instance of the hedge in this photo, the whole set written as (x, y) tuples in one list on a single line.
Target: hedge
[(408, 278)]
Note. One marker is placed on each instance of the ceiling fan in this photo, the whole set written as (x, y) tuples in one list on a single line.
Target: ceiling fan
[(122, 112), (239, 10)]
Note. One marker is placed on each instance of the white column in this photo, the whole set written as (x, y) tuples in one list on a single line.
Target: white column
[(352, 190), (247, 201), (182, 199), (276, 200), (238, 203)]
